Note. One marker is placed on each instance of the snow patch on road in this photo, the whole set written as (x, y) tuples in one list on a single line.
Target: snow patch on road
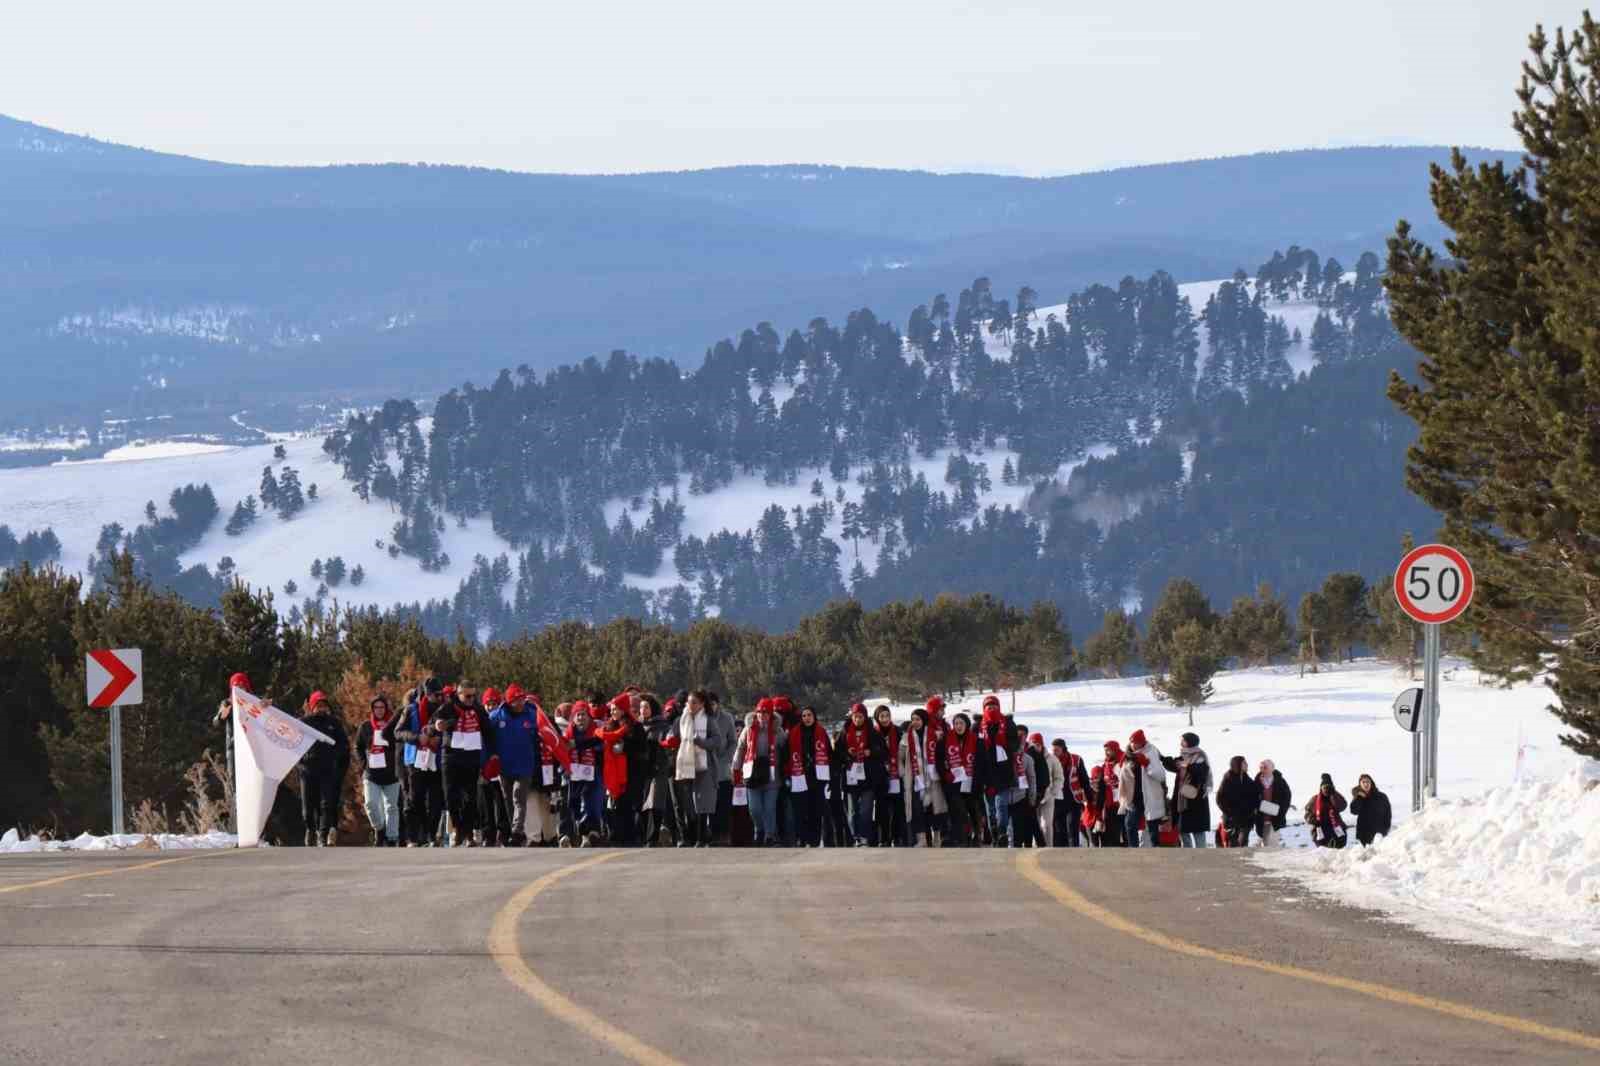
[(13, 844)]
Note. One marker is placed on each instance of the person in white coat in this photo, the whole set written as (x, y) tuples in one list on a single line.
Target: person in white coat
[(1142, 791)]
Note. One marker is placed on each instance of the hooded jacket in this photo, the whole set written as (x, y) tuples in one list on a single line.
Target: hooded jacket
[(1373, 814)]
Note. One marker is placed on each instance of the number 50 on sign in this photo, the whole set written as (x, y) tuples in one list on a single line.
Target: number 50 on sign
[(1433, 584)]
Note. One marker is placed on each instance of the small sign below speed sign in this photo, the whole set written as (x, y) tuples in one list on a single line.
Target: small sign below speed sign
[(1433, 584)]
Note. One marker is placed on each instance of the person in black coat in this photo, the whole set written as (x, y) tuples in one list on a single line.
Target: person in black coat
[(1190, 791), (1239, 800), (1371, 808), (322, 772)]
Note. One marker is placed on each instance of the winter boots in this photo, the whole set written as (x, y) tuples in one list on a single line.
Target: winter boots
[(330, 838)]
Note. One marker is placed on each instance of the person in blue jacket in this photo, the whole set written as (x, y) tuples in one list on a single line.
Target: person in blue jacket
[(516, 731)]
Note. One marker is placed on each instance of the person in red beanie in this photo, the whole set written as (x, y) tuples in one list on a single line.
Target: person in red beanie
[(860, 754), (494, 816), (586, 792), (466, 742), (999, 768), (621, 736), (757, 754), (935, 807), (1142, 792), (516, 744), (958, 769), (322, 771)]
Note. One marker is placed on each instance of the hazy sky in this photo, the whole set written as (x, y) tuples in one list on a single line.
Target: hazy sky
[(587, 85)]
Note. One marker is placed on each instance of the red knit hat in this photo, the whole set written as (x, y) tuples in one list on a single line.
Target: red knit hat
[(1036, 738), (935, 706), (862, 707), (764, 705), (513, 692), (491, 697), (1137, 739), (239, 681), (624, 703), (316, 698), (991, 701), (582, 707), (782, 705)]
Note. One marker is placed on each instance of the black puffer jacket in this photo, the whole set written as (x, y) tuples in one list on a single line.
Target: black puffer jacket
[(1373, 814), (1239, 799)]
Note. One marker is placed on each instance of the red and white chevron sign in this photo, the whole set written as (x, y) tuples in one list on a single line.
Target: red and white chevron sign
[(115, 677)]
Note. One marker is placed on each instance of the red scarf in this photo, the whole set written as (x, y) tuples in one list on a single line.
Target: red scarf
[(820, 748), (856, 741), (762, 730), (615, 768), (960, 751), (934, 733), (1071, 764), (891, 745), (914, 754), (467, 720), (574, 734), (1108, 777), (377, 733), (424, 712), (1322, 806)]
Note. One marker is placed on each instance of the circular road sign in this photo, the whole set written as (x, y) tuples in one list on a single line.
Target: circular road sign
[(1433, 584)]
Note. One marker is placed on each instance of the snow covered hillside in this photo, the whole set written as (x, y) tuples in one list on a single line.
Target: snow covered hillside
[(1298, 315), (77, 498), (1508, 855)]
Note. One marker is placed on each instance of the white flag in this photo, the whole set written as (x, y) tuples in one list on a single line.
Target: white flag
[(266, 745)]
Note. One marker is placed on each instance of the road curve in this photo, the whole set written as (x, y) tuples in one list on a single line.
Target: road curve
[(656, 957)]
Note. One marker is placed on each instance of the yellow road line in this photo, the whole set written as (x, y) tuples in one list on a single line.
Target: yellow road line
[(112, 870), (1028, 866), (503, 945)]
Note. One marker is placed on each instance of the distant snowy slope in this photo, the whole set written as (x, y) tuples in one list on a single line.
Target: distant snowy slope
[(1296, 314)]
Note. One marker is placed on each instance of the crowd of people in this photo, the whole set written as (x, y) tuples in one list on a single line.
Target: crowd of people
[(455, 766)]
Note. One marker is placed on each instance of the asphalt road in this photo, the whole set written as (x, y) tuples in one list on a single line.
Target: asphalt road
[(387, 957)]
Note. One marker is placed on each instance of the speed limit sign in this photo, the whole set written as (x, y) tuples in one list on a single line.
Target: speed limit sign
[(1433, 584)]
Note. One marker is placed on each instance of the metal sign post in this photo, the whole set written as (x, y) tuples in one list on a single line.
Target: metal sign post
[(1433, 585), (115, 678), (1408, 711), (1430, 712), (117, 825)]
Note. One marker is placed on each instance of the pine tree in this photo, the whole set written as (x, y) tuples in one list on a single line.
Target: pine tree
[(1114, 646), (1256, 630), (1193, 660), (269, 489), (1181, 601), (1509, 448), (291, 501)]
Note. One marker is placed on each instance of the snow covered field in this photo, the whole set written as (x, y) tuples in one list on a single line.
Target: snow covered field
[(1508, 855)]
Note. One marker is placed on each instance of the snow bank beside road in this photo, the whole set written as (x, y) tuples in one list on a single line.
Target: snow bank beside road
[(1516, 866), (12, 844)]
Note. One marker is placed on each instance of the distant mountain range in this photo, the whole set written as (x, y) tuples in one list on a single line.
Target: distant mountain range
[(138, 283)]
